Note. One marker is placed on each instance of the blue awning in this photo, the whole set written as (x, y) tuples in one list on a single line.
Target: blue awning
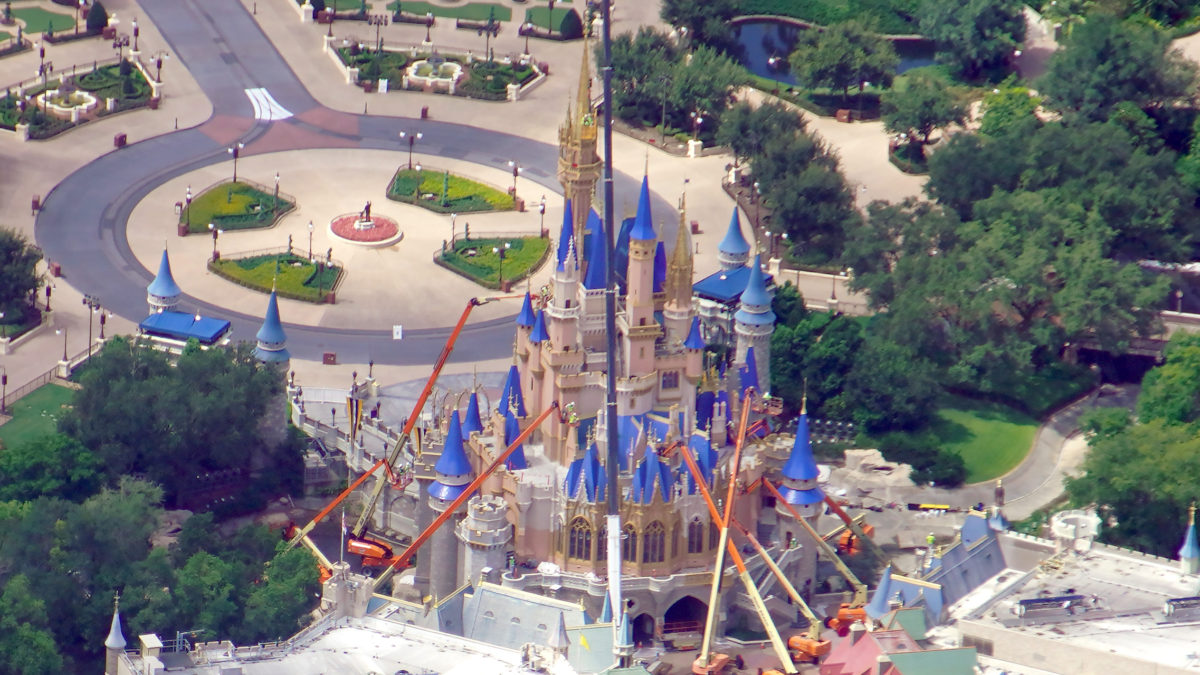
[(183, 326)]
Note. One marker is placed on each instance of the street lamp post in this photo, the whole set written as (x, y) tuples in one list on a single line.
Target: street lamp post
[(103, 320), (135, 34), (275, 209), (3, 390), (188, 208), (379, 21), (757, 201), (120, 43), (528, 29), (63, 332), (542, 213), (236, 150), (93, 304), (310, 233), (215, 233), (770, 243), (697, 119), (500, 251), (412, 140), (158, 64), (78, 14), (48, 289), (516, 170), (453, 217), (428, 25)]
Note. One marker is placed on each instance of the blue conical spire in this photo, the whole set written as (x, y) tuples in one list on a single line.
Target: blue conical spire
[(597, 248), (516, 461), (800, 464), (879, 601), (565, 238), (164, 285), (606, 615), (525, 318), (643, 224), (694, 339), (272, 341), (453, 468), (660, 267), (511, 394), (734, 244), (115, 639), (539, 333), (472, 422), (756, 294), (748, 374), (625, 633)]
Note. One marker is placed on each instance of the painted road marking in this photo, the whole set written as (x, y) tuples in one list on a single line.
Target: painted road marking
[(265, 105)]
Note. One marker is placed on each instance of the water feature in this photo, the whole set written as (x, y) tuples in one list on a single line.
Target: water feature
[(767, 44)]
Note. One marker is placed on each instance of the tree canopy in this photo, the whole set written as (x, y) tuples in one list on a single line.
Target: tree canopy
[(843, 55), (1106, 61), (921, 107), (706, 23), (975, 38), (18, 272)]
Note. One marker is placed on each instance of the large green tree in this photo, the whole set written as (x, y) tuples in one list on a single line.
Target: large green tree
[(1171, 392), (52, 466), (843, 55), (976, 38), (748, 130), (25, 636), (706, 23), (921, 107), (18, 272), (1106, 61)]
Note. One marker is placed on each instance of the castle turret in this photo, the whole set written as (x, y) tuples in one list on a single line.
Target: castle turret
[(524, 326), (624, 647), (799, 487), (472, 422), (272, 341), (486, 537), (1189, 552), (734, 250), (642, 330), (579, 164), (677, 312), (563, 310), (512, 429), (453, 474), (694, 344), (114, 644), (754, 322), (162, 295)]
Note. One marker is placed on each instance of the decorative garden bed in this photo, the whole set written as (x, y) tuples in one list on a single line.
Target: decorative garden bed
[(121, 87), (234, 206), (443, 192), (291, 276), (476, 260)]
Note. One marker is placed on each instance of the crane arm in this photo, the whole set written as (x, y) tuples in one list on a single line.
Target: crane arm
[(814, 624), (301, 534), (854, 527), (860, 589), (365, 517), (401, 561)]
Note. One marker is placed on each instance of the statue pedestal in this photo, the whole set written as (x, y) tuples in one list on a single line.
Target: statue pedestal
[(361, 224)]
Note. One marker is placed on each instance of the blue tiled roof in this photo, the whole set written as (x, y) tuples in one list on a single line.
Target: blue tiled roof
[(620, 257), (694, 341), (606, 615), (651, 473), (1189, 549), (511, 394), (512, 429), (272, 329), (625, 638), (453, 461), (801, 497), (539, 333), (725, 286), (755, 293), (643, 223), (472, 421), (446, 492), (565, 236), (800, 464), (587, 472), (734, 243), (525, 318), (597, 253), (974, 528), (879, 601), (660, 267), (164, 285), (748, 374), (706, 460), (183, 326), (704, 408)]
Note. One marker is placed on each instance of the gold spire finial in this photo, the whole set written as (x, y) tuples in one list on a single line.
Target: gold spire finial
[(584, 98), (1192, 514)]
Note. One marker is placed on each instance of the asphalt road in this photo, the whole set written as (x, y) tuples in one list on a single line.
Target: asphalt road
[(83, 221)]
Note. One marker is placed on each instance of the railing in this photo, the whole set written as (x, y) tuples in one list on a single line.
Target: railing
[(45, 378)]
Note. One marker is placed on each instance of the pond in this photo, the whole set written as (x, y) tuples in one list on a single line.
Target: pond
[(767, 44)]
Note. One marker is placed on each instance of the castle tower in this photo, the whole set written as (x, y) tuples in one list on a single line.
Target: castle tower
[(624, 647), (733, 251), (579, 164), (272, 351), (524, 326), (677, 313), (471, 421), (162, 295), (595, 280), (272, 341), (879, 601), (754, 322), (486, 537), (799, 489), (512, 428), (114, 644), (453, 474), (1189, 552), (642, 330), (563, 310)]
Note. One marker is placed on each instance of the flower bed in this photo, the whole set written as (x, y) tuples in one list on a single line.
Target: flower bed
[(490, 79), (296, 278), (462, 195), (474, 259), (373, 66), (234, 206), (382, 229)]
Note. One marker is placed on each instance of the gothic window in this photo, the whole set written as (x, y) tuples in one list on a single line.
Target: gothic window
[(629, 544), (695, 536), (652, 543), (714, 535), (670, 380), (602, 543), (674, 541), (580, 544)]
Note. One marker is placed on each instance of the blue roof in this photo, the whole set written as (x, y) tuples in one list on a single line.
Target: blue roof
[(801, 497), (272, 355), (755, 293), (512, 429), (566, 237), (879, 601), (606, 611), (539, 333), (725, 286), (974, 528), (1189, 549), (272, 330), (511, 394), (472, 421), (650, 473), (587, 472), (800, 464), (706, 460), (660, 267), (998, 522), (597, 252), (748, 374), (525, 318), (643, 223), (164, 285), (694, 341), (183, 326), (625, 634), (734, 243), (453, 461), (446, 492), (704, 408)]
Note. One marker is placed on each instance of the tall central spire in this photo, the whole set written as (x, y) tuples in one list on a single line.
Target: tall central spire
[(579, 164)]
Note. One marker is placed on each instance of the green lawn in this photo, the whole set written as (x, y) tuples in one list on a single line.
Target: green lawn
[(38, 20), (35, 415), (4, 35), (463, 195), (990, 437), (474, 259), (472, 11), (297, 278), (233, 206)]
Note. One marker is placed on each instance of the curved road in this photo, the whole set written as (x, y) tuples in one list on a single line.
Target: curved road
[(83, 220)]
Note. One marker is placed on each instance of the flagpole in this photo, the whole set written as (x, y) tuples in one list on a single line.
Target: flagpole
[(342, 539)]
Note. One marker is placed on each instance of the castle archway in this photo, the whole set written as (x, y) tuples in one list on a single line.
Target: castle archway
[(686, 615), (643, 629)]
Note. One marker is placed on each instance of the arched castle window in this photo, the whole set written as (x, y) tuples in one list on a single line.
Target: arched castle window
[(602, 543), (670, 380), (695, 536), (580, 543), (714, 535), (629, 544), (653, 550)]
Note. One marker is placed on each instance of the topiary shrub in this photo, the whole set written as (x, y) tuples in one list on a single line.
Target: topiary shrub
[(571, 26), (97, 17)]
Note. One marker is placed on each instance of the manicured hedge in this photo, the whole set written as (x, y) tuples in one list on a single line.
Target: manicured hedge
[(462, 196), (296, 279), (474, 259), (233, 206)]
